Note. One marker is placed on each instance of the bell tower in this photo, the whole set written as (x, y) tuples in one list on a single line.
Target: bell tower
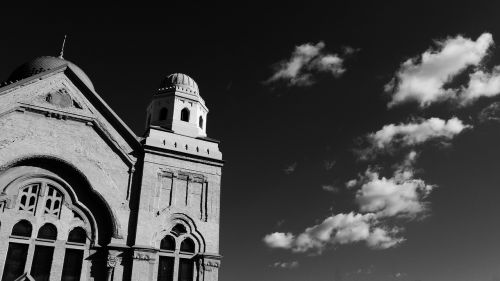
[(179, 206), (178, 106)]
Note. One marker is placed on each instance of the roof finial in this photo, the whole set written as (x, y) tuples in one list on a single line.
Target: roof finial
[(62, 48)]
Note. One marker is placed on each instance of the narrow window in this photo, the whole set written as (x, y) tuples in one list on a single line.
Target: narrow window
[(17, 252), (77, 235), (42, 259), (200, 122), (166, 269), (187, 246), (15, 261), (73, 258), (163, 114), (186, 270), (42, 262), (149, 120), (72, 268), (53, 202), (29, 196), (185, 115), (168, 243)]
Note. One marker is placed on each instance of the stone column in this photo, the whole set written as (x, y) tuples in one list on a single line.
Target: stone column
[(114, 266)]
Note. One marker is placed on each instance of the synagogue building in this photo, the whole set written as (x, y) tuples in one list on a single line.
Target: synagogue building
[(84, 198)]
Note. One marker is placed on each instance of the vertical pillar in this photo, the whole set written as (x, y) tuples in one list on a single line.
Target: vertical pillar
[(58, 260), (114, 266)]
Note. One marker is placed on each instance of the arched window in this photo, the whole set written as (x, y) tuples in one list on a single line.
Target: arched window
[(28, 198), (47, 231), (77, 235), (17, 252), (42, 202), (187, 245), (185, 114), (163, 114), (22, 228), (53, 201), (179, 229), (42, 259), (168, 243), (172, 257), (200, 122), (73, 257)]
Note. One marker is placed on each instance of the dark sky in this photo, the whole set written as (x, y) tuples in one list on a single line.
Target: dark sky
[(276, 136)]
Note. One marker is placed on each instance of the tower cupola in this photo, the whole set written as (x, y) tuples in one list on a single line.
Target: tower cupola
[(178, 106)]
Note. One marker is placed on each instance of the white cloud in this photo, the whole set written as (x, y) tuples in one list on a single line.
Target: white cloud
[(423, 78), (337, 230), (307, 60), (414, 133), (481, 84), (285, 265), (351, 183), (279, 240), (399, 196)]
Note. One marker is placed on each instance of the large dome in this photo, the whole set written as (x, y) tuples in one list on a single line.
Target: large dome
[(45, 63), (180, 80)]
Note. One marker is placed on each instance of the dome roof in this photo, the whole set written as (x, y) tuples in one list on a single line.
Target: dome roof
[(180, 80), (42, 64)]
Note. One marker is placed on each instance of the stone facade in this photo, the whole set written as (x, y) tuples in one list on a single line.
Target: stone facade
[(83, 198)]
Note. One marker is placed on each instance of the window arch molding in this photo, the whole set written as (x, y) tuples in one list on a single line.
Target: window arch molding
[(74, 183), (191, 232), (180, 260), (70, 199)]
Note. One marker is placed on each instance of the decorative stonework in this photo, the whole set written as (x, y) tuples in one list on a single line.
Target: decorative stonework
[(211, 265), (60, 98), (113, 260)]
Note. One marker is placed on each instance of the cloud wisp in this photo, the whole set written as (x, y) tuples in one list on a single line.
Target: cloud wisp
[(306, 61), (411, 134), (290, 169), (285, 265), (490, 113), (423, 79)]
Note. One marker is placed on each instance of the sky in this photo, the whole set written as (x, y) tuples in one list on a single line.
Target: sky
[(360, 139)]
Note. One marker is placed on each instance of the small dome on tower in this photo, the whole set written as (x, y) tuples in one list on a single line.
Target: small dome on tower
[(45, 63), (179, 80)]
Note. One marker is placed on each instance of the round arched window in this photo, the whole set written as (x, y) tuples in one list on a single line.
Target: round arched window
[(185, 115), (200, 122), (187, 245), (48, 231), (22, 228), (77, 235), (177, 263), (168, 243)]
